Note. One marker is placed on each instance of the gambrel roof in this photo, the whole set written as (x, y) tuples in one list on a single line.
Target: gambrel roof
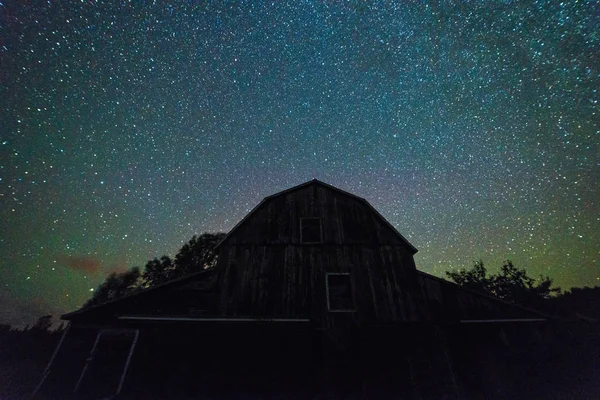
[(328, 186)]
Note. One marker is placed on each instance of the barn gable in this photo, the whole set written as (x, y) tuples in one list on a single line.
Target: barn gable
[(285, 218), (294, 253)]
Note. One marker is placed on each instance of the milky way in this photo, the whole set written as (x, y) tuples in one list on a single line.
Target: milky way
[(127, 127)]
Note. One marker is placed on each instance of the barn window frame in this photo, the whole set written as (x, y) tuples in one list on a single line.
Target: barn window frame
[(305, 219), (327, 291)]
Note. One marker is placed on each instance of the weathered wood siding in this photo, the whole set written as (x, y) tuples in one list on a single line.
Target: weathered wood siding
[(446, 302), (345, 220), (194, 296), (266, 271)]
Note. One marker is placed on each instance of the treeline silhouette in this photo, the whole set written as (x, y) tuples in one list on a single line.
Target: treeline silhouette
[(194, 256), (514, 285), (24, 353)]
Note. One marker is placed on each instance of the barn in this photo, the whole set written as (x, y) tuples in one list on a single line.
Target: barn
[(314, 295)]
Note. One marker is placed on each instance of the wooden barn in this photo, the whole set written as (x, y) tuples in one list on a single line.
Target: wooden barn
[(314, 295)]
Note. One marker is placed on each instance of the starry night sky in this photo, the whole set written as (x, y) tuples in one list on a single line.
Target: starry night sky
[(127, 127)]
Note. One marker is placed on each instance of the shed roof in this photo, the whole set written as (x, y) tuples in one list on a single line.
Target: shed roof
[(139, 293)]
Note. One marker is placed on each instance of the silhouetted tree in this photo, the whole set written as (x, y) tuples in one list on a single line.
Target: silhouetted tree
[(158, 271), (24, 353), (116, 286), (511, 284), (43, 323), (475, 278), (579, 303), (4, 328), (196, 255)]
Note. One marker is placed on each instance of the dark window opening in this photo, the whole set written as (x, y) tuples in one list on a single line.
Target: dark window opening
[(310, 230), (339, 292)]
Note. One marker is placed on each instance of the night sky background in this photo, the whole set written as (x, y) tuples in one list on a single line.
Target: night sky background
[(128, 127)]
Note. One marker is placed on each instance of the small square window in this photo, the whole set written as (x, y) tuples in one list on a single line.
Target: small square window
[(310, 230), (339, 292)]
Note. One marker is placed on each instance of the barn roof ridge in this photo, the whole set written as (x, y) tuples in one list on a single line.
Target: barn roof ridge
[(315, 181)]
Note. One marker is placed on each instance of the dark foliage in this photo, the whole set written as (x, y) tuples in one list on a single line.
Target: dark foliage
[(514, 285), (116, 286), (24, 353), (158, 271), (196, 255), (475, 278), (578, 303), (43, 323), (510, 284)]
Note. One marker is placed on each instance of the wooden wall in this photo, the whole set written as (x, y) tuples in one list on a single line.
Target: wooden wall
[(447, 302), (346, 220), (265, 270)]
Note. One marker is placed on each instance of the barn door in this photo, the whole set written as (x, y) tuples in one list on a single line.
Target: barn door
[(105, 368)]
